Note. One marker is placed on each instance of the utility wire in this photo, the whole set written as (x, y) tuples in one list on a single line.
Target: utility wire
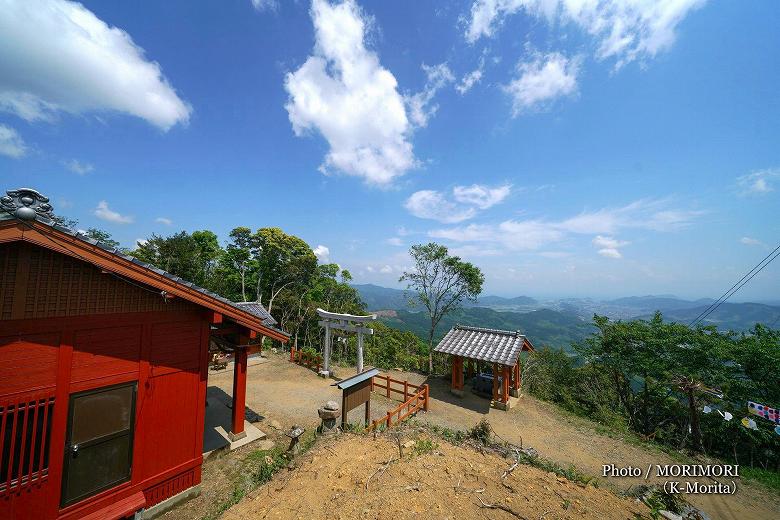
[(738, 285)]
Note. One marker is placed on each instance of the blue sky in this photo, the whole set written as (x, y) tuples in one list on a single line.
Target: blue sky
[(614, 149)]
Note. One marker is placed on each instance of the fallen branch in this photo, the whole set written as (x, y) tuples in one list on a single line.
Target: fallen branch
[(502, 507), (381, 471)]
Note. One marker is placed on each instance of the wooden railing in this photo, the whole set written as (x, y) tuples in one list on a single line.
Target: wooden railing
[(306, 359), (418, 401), (405, 388), (25, 426)]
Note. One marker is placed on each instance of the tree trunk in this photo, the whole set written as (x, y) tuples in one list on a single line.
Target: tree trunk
[(695, 426), (430, 350)]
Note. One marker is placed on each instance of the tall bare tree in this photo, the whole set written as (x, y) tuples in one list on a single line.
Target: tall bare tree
[(441, 283)]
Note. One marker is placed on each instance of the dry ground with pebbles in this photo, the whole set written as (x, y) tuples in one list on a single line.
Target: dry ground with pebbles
[(282, 394), (351, 478)]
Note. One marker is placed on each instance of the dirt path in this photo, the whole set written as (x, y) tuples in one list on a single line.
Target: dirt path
[(344, 479), (284, 392)]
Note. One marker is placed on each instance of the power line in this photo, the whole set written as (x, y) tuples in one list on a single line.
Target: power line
[(718, 301), (738, 285)]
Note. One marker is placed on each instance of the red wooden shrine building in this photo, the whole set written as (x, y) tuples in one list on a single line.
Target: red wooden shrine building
[(103, 372), (500, 349)]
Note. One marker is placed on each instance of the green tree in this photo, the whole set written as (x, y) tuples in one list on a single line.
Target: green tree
[(441, 283), (282, 261)]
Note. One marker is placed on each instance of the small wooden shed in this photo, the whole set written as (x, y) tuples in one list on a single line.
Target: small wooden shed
[(499, 348), (103, 372)]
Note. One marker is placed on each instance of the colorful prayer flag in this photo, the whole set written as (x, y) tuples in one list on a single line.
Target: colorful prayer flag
[(770, 414)]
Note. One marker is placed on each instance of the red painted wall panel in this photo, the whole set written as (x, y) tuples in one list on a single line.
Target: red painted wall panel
[(28, 362), (175, 346), (169, 421), (105, 352)]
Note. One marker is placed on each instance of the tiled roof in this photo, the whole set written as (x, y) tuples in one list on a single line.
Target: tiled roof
[(258, 310), (491, 345)]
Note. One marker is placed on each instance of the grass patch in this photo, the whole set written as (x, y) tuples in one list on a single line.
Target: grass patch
[(423, 446), (258, 468), (770, 479)]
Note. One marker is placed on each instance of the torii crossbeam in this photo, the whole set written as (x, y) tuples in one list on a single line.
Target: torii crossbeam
[(348, 323)]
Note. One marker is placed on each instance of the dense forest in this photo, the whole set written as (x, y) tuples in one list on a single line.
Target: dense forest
[(655, 378)]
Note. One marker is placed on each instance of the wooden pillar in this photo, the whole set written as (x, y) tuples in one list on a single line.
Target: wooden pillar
[(505, 384), (495, 382), (239, 389), (368, 411), (454, 381), (470, 369), (517, 376), (359, 352), (326, 349)]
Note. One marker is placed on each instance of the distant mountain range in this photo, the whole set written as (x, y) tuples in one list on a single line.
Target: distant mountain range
[(543, 327), (525, 313)]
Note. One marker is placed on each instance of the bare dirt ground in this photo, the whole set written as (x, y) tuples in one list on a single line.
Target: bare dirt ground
[(351, 478), (283, 394)]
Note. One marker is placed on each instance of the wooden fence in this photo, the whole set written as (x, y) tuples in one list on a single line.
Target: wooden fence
[(306, 359), (418, 401), (405, 388)]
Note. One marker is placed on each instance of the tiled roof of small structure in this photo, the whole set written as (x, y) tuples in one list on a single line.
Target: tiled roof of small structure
[(258, 310), (12, 209), (490, 345)]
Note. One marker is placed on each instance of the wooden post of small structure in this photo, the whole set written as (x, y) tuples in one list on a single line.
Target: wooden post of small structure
[(454, 381), (495, 382), (517, 376), (292, 354), (426, 389), (470, 369), (388, 386), (505, 389), (239, 389), (406, 390)]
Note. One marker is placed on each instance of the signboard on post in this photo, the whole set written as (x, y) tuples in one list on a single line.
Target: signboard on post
[(356, 390)]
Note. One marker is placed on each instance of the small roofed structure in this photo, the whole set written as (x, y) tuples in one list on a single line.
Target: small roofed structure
[(500, 348)]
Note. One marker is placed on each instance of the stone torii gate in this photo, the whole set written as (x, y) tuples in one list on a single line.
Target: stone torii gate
[(348, 323)]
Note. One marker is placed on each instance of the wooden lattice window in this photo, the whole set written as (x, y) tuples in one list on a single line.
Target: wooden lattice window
[(25, 434)]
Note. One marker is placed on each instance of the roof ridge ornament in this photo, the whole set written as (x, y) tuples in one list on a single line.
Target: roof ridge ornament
[(27, 204)]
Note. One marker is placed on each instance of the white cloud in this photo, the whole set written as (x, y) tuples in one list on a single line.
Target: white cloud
[(433, 205), (78, 167), (140, 242), (608, 242), (610, 252), (57, 56), (265, 5), (11, 143), (481, 196), (105, 213), (163, 220), (386, 269), (322, 253), (542, 80), (533, 234), (394, 241), (468, 200), (625, 30), (759, 182), (420, 108), (470, 79), (748, 241), (609, 246), (343, 92)]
